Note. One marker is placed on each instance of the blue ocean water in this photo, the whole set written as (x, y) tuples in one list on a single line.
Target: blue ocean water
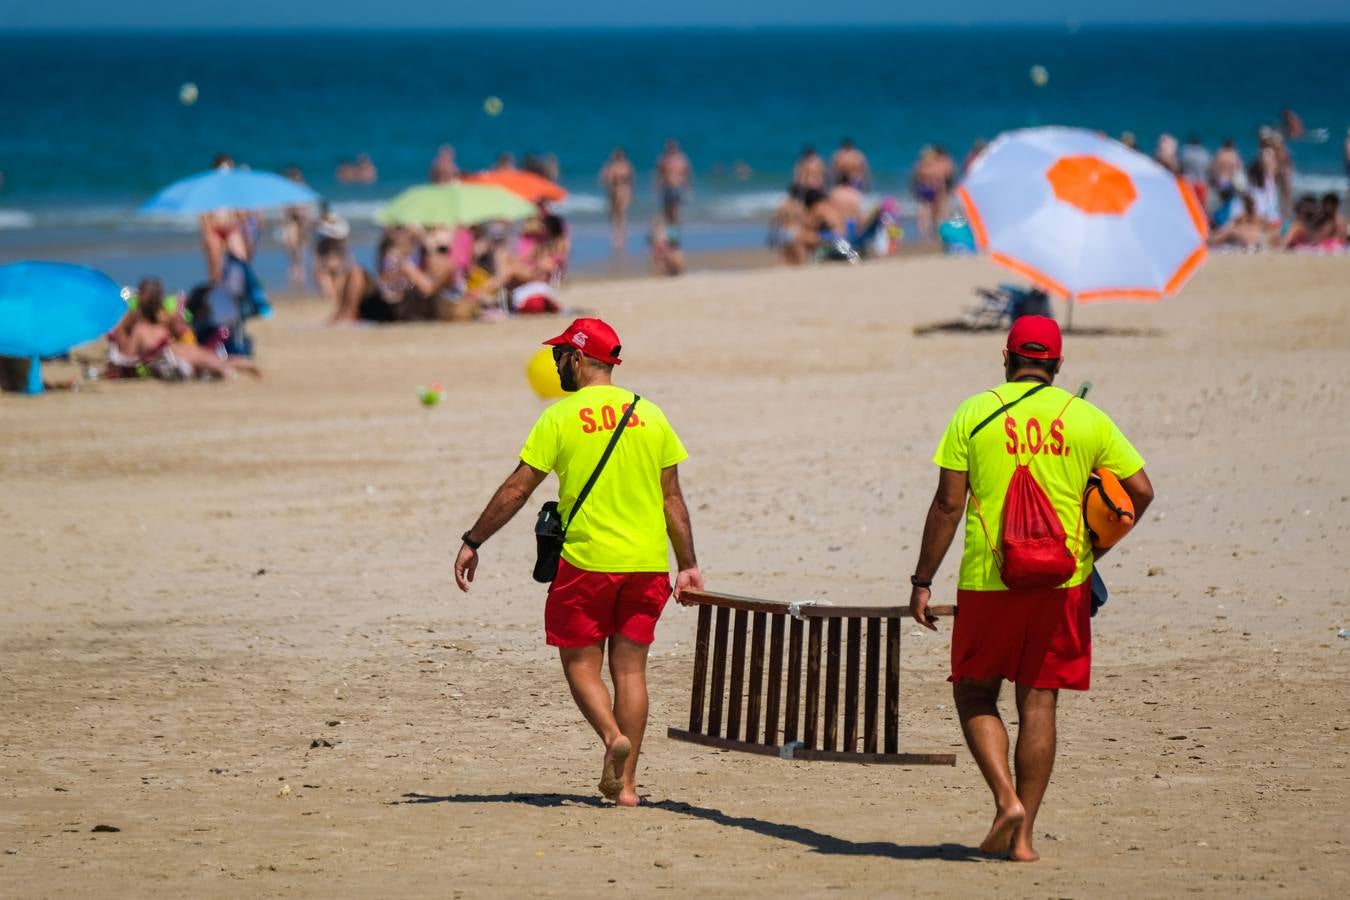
[(92, 124)]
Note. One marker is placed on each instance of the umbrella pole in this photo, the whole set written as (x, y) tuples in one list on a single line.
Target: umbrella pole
[(1068, 318), (34, 385)]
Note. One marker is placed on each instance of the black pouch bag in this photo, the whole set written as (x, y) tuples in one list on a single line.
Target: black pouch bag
[(548, 537), (549, 530)]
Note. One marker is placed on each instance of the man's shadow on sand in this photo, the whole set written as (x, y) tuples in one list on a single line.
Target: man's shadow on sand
[(817, 841)]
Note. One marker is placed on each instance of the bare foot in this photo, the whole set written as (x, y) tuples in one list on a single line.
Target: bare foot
[(611, 776), (1020, 853), (1006, 823), (628, 797)]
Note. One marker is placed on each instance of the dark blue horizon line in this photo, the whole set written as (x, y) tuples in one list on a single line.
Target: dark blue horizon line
[(1055, 26)]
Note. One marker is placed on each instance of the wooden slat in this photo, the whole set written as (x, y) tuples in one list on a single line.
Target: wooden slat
[(871, 685), (852, 671), (708, 740), (700, 668), (771, 706), (832, 654), (732, 601), (892, 714), (736, 689), (756, 676), (813, 682), (821, 610), (826, 611), (794, 682), (895, 759), (801, 753), (719, 671)]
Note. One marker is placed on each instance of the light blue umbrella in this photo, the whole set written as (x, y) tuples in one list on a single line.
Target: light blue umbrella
[(46, 308), (226, 188)]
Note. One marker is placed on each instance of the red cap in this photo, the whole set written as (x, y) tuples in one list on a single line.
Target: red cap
[(592, 337), (1036, 330)]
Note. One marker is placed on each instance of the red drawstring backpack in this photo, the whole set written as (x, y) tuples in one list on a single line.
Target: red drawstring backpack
[(1034, 550)]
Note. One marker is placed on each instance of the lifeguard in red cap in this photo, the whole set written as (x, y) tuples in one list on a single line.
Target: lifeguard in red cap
[(613, 578), (1038, 638)]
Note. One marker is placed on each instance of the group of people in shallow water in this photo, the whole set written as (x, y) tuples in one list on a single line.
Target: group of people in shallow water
[(673, 180)]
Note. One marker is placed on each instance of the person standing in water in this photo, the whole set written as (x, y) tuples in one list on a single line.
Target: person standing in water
[(674, 176), (617, 179)]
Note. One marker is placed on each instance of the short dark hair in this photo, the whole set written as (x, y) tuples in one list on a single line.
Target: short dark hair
[(1017, 362)]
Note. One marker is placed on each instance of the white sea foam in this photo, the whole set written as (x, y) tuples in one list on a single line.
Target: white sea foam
[(359, 210), (1305, 183), (581, 204), (751, 205), (16, 218)]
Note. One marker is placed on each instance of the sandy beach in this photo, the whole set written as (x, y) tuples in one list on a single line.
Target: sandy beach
[(228, 627)]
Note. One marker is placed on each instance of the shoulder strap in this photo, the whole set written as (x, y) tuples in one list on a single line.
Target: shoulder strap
[(604, 458), (1005, 407)]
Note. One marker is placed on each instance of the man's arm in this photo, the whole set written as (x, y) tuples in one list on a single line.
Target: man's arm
[(1140, 491), (680, 531), (944, 517), (505, 503)]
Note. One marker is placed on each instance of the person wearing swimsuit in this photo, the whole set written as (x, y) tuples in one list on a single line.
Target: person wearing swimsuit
[(617, 178)]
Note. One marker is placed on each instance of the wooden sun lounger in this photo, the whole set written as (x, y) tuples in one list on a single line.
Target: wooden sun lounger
[(770, 714)]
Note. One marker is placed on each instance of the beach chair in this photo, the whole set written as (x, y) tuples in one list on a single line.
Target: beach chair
[(1001, 306), (759, 703), (220, 311)]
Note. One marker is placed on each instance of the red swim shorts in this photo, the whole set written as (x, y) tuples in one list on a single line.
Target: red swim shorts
[(1037, 638), (585, 608)]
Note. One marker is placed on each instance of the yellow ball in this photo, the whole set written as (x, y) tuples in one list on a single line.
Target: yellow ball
[(493, 106), (1039, 76), (187, 94), (543, 375)]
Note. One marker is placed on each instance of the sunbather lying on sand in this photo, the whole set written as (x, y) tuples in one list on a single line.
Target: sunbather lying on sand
[(146, 337)]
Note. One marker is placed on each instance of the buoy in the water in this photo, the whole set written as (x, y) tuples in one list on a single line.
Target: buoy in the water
[(543, 375)]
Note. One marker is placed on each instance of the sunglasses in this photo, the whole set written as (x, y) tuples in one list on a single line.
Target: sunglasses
[(559, 352)]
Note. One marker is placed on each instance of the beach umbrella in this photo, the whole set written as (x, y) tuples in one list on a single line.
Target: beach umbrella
[(1083, 216), (455, 204), (532, 187), (228, 188), (46, 308)]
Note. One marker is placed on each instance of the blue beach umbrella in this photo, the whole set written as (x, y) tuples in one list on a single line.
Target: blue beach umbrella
[(226, 188), (46, 308)]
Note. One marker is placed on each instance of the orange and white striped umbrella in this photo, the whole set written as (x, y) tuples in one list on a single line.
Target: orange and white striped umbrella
[(1083, 216)]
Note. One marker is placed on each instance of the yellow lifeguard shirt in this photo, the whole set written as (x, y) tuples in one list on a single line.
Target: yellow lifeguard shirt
[(622, 525), (1064, 441)]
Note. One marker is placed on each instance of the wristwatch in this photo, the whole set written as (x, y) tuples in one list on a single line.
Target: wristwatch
[(919, 582), (470, 542)]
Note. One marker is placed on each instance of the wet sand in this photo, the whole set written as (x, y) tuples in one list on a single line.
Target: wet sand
[(228, 626)]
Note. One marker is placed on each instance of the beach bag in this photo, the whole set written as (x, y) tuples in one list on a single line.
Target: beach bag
[(549, 530), (1033, 549)]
